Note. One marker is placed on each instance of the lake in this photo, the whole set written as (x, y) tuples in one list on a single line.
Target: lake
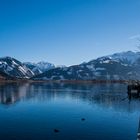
[(57, 111)]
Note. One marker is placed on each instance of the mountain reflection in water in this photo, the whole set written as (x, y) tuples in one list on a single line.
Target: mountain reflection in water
[(104, 95)]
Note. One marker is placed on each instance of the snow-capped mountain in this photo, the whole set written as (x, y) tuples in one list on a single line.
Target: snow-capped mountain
[(14, 68), (127, 57), (60, 66), (119, 66), (39, 67)]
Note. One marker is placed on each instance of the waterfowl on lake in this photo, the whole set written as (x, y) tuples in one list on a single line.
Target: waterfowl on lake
[(83, 119), (56, 130)]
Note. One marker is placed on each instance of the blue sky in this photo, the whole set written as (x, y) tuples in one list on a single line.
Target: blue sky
[(67, 31)]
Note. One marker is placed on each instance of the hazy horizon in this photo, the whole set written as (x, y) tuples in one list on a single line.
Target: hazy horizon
[(67, 32)]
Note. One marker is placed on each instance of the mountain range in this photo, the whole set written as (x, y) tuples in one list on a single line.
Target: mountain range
[(118, 66), (40, 67)]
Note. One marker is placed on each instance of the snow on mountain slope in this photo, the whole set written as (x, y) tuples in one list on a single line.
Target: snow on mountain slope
[(119, 66), (14, 68), (127, 57), (43, 66), (39, 67)]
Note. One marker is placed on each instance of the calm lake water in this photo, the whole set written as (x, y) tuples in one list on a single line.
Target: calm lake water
[(33, 111)]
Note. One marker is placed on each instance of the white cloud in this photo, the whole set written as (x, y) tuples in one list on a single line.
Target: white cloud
[(135, 36)]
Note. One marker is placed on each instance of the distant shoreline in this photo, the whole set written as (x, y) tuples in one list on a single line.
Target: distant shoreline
[(66, 81)]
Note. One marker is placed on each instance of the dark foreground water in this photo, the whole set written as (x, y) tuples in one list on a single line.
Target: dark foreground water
[(33, 111)]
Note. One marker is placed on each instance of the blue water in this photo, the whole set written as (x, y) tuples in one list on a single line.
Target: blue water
[(33, 111)]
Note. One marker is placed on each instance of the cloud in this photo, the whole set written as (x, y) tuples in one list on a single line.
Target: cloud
[(135, 37)]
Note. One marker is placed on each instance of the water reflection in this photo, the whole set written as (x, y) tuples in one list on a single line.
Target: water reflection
[(104, 95)]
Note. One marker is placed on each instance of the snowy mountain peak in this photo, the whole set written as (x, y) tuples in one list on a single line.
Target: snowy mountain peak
[(14, 68), (39, 67), (129, 55), (45, 65), (124, 65), (119, 66)]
